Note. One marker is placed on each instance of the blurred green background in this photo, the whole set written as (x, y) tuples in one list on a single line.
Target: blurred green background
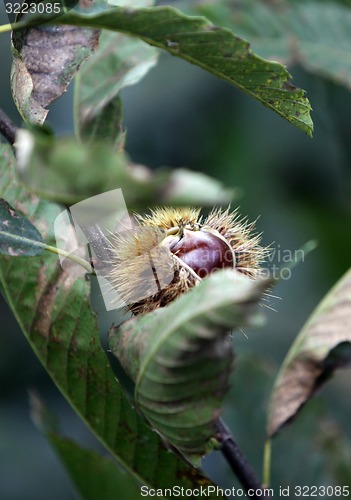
[(301, 190)]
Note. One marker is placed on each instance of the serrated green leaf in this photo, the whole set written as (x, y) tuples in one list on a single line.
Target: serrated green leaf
[(52, 308), (18, 236), (215, 49), (180, 357), (120, 61), (313, 34), (67, 171), (46, 58), (322, 346)]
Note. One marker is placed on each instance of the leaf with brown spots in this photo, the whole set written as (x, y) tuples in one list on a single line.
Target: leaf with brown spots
[(323, 345), (46, 58), (311, 34), (18, 236), (213, 48), (53, 310)]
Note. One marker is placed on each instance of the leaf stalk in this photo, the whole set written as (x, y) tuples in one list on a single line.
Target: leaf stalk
[(238, 462), (69, 255)]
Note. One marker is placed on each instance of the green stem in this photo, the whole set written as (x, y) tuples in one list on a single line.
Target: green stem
[(267, 463), (75, 258), (4, 28)]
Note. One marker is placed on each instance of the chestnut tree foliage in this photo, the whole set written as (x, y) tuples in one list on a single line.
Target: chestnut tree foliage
[(101, 48)]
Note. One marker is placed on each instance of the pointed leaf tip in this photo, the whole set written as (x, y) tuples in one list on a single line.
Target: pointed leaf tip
[(18, 236)]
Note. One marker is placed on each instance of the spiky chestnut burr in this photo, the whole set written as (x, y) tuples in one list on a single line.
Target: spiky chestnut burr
[(176, 249)]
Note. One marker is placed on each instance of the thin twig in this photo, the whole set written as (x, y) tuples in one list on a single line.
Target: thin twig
[(7, 128), (238, 463)]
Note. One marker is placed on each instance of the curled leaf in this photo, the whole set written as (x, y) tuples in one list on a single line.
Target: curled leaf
[(18, 236), (46, 58), (323, 345), (180, 357)]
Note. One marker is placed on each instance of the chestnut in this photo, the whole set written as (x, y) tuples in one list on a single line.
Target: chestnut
[(203, 251)]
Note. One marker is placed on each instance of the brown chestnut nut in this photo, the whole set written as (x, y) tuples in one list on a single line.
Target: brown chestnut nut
[(203, 251)]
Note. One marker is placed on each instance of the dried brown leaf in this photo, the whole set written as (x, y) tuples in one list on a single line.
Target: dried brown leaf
[(46, 59), (323, 345)]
